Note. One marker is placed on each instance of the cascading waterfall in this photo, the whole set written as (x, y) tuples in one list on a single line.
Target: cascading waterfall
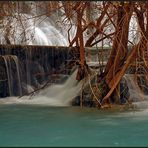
[(37, 32), (136, 95), (9, 59), (41, 62), (54, 95), (44, 32), (134, 89), (27, 30), (8, 75), (18, 73)]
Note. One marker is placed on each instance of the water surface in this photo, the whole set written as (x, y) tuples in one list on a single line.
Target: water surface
[(30, 125)]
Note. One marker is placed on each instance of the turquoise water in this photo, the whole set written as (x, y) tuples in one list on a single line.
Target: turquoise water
[(26, 125)]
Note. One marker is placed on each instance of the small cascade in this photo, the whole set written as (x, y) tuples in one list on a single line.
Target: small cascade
[(64, 93), (32, 66), (18, 73), (136, 93), (31, 31), (13, 74), (54, 95), (140, 99), (8, 75), (37, 64), (28, 59)]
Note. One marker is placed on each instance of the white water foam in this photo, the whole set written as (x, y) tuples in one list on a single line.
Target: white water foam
[(140, 99), (54, 95), (27, 30), (134, 90)]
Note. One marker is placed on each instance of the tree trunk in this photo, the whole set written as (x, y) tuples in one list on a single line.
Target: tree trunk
[(115, 81), (119, 50), (80, 37), (117, 63)]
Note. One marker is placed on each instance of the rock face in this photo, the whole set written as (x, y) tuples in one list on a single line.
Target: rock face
[(30, 67)]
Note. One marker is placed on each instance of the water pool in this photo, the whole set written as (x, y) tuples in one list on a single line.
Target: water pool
[(30, 125)]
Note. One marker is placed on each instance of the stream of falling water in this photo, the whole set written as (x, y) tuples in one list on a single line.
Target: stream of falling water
[(136, 95), (9, 59), (54, 95), (44, 33), (18, 73), (8, 74), (32, 31)]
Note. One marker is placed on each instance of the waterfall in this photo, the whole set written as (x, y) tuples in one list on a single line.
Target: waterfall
[(136, 93), (9, 59), (58, 94), (33, 31), (28, 30), (18, 73), (63, 93), (8, 75), (54, 95)]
